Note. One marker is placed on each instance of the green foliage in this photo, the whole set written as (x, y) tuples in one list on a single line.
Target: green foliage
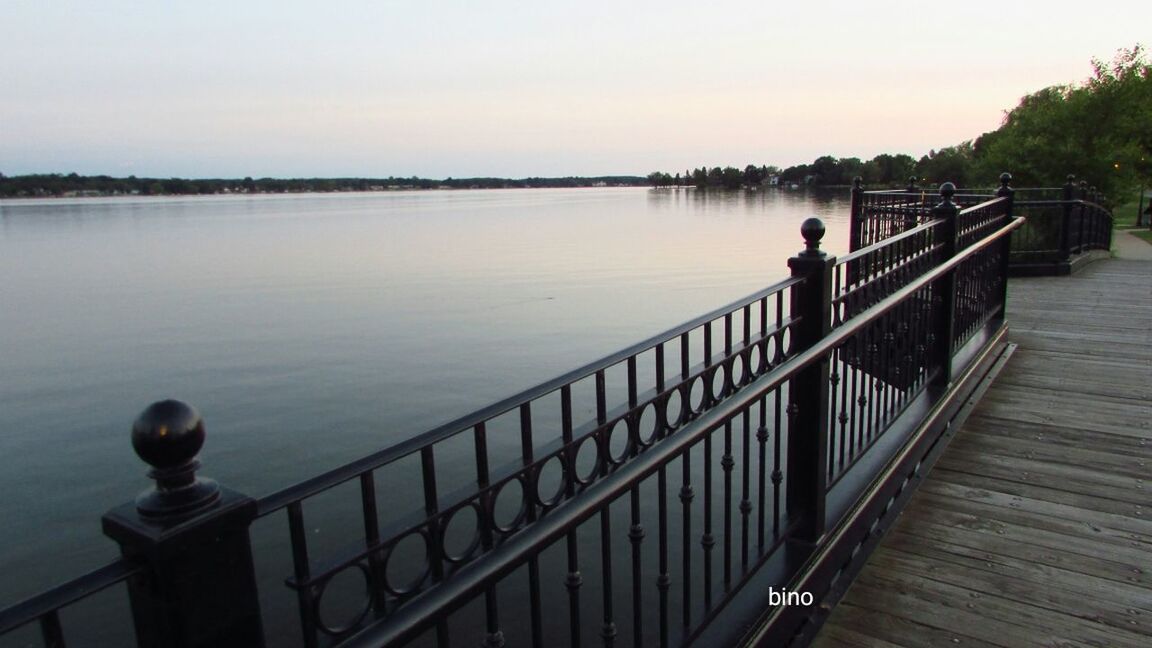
[(888, 170), (1100, 130), (951, 164)]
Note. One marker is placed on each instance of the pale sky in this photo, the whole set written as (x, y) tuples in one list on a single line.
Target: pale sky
[(513, 89)]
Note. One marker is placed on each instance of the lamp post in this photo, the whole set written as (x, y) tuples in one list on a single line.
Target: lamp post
[(1140, 209), (1142, 171)]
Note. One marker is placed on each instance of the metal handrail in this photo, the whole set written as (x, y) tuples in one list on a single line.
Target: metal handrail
[(63, 595), (419, 615)]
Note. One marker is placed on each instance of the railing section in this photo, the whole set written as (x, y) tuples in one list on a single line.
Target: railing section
[(535, 453), (626, 502), (1062, 222)]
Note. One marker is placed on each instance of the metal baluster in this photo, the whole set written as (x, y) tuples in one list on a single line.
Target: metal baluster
[(780, 351), (834, 448), (764, 361), (303, 573), (747, 312), (662, 422), (494, 637), (745, 489), (686, 497), (50, 630), (707, 540), (868, 393), (777, 475), (663, 581), (608, 629), (762, 442), (573, 580), (435, 533), (371, 540), (708, 344), (527, 456), (636, 537), (849, 404), (602, 408), (726, 464), (731, 378), (685, 368), (632, 388)]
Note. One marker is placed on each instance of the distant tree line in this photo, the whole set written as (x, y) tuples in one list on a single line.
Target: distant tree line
[(1099, 130), (72, 184)]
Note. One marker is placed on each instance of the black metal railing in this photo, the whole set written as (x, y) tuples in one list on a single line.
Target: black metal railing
[(1063, 223), (637, 500), (636, 398)]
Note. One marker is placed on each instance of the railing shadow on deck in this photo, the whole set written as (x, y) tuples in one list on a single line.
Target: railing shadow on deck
[(756, 450)]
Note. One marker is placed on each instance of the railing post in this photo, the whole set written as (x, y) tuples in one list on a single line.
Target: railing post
[(1085, 215), (944, 289), (808, 390), (1085, 196), (1066, 221), (198, 588), (855, 230), (1006, 191)]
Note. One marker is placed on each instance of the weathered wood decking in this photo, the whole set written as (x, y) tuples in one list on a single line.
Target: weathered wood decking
[(1035, 527)]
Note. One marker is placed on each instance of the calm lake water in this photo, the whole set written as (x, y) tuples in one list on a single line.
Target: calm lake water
[(312, 329)]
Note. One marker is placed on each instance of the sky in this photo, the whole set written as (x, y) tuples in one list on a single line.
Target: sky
[(512, 89)]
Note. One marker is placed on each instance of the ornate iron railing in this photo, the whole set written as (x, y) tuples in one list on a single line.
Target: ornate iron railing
[(1063, 223), (642, 499), (690, 369)]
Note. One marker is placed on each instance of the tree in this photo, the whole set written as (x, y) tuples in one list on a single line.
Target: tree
[(753, 175), (826, 169), (731, 178), (888, 170), (950, 164), (1098, 130)]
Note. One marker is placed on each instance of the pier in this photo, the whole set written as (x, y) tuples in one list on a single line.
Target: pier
[(669, 493)]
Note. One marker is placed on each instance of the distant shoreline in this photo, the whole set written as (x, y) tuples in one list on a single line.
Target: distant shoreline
[(77, 186)]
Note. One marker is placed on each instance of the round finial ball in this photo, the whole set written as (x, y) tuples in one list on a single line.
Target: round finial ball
[(1071, 178), (947, 190), (1005, 178), (812, 230), (857, 181), (168, 434)]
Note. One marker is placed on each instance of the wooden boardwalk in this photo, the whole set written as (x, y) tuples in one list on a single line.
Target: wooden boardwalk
[(1035, 527)]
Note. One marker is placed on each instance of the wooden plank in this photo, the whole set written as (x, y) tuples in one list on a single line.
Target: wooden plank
[(988, 616), (1113, 415), (1078, 527), (1070, 437), (899, 630), (949, 613), (842, 636), (1125, 558), (1034, 491), (1069, 478), (1137, 599), (1114, 464), (1034, 526), (1134, 528), (1050, 597)]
